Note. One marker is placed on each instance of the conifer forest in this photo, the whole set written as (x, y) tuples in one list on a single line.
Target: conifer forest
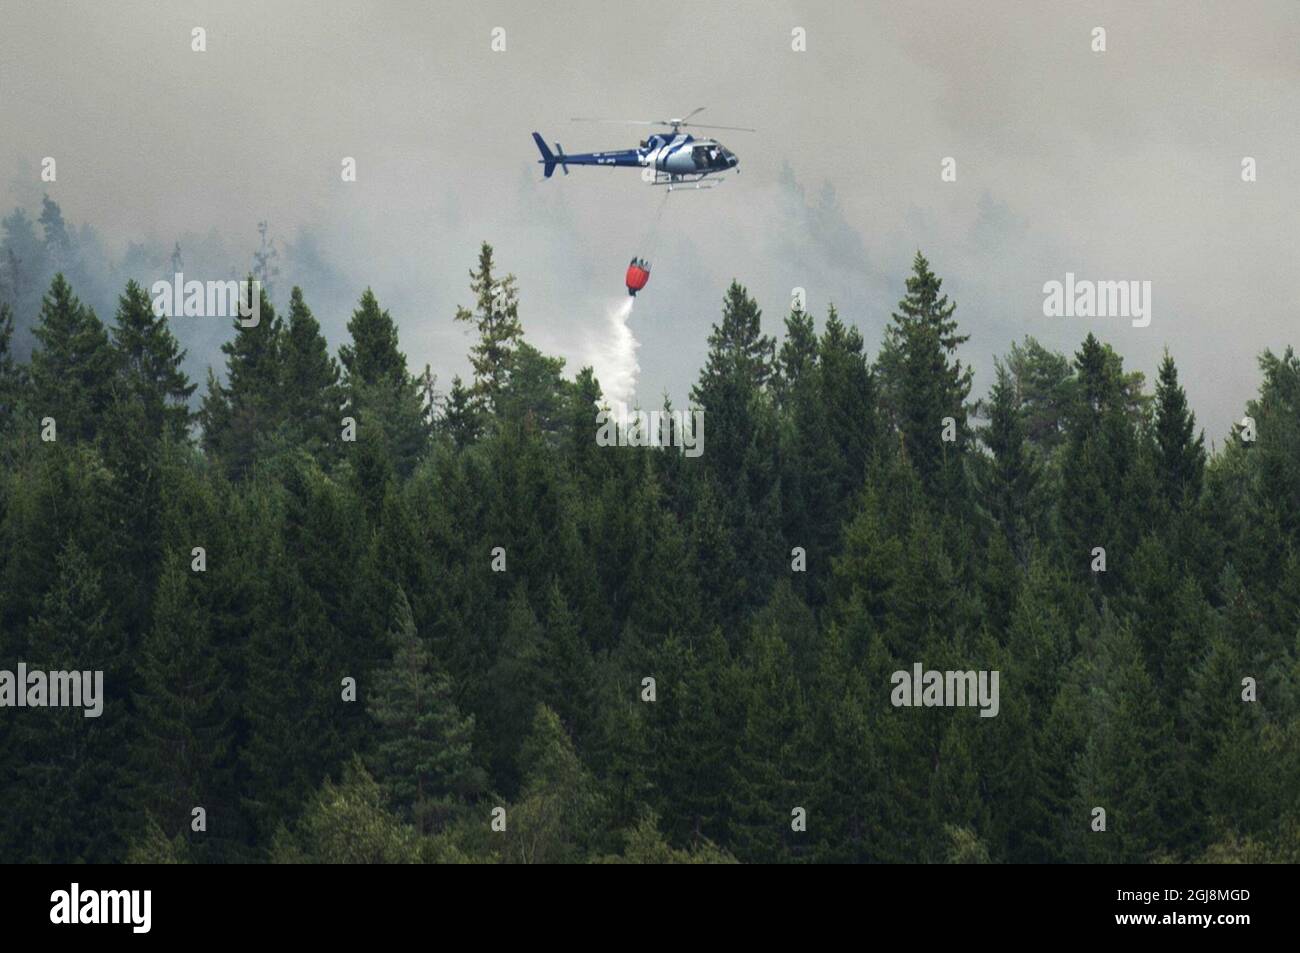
[(356, 619)]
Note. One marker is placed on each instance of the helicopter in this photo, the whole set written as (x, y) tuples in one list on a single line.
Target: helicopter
[(676, 158)]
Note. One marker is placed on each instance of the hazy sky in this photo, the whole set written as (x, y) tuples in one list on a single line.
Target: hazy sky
[(1122, 165)]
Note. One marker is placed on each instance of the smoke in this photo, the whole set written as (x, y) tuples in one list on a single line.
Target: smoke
[(613, 356)]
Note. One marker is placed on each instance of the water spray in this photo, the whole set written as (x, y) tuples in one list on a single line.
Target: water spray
[(612, 355)]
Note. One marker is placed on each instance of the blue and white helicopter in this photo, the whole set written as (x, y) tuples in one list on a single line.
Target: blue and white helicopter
[(669, 159)]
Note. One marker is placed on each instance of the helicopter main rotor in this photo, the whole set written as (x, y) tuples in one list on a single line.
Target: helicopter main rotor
[(677, 124)]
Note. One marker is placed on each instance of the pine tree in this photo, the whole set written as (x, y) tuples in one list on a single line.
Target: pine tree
[(57, 239), (570, 669), (805, 452), (496, 318), (581, 410), (848, 401), (26, 266), (797, 361), (535, 392), (1277, 416), (1042, 386), (850, 777), (692, 728), (296, 719)]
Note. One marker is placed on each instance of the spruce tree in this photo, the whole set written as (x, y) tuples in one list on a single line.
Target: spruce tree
[(240, 414), (73, 368), (923, 381), (373, 355), (1120, 766), (559, 809), (462, 421), (1012, 477), (13, 376), (848, 403), (149, 365), (183, 738), (381, 395), (797, 360), (312, 399), (1180, 456), (71, 770), (422, 755), (770, 771), (740, 360), (743, 449), (517, 680)]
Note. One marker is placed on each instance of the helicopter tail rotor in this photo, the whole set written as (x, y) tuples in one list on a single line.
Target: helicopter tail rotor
[(550, 159)]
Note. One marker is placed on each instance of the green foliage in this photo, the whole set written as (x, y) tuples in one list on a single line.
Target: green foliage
[(768, 591), (923, 382), (239, 415), (422, 755), (373, 355), (558, 810), (382, 398), (312, 395), (149, 360), (153, 847), (1180, 451), (183, 740), (346, 823), (72, 372), (645, 845), (496, 318)]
